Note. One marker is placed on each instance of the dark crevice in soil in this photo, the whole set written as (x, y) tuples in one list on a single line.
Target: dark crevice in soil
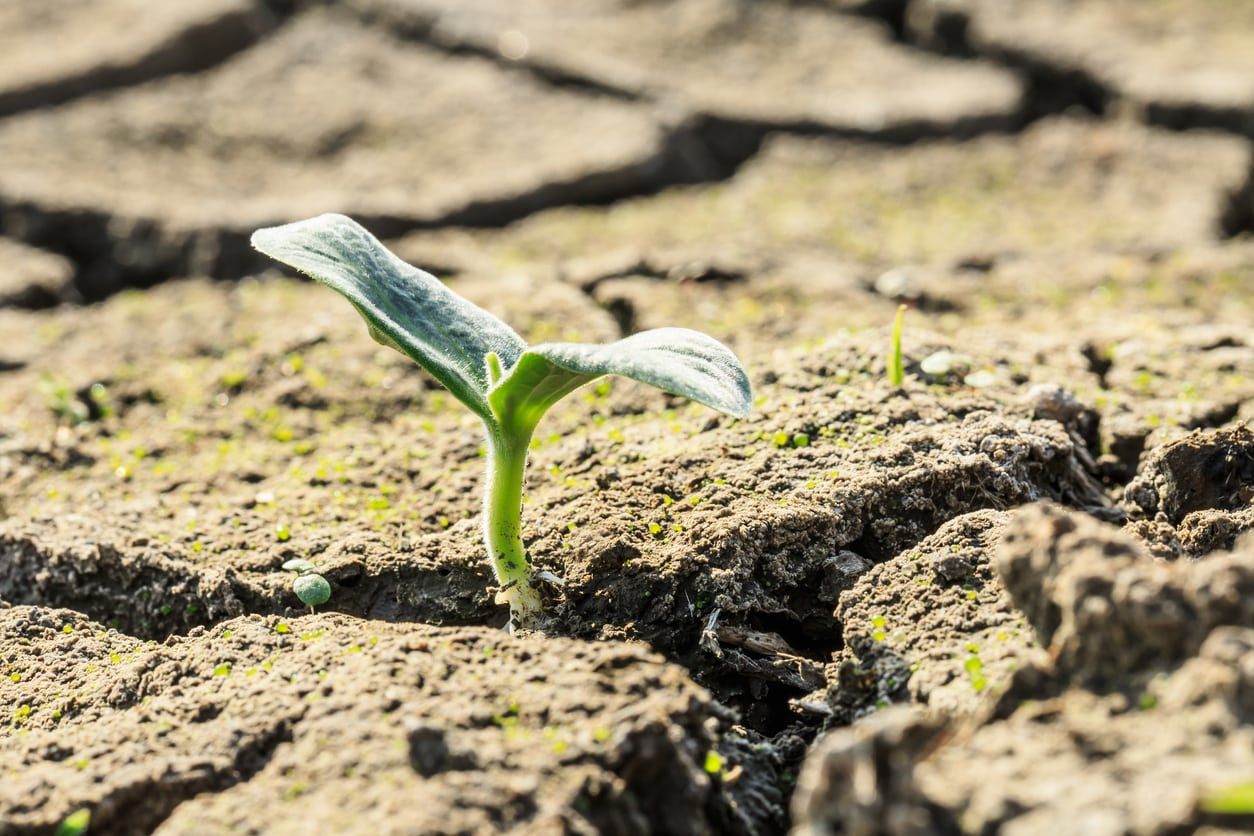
[(138, 598), (195, 49), (891, 13), (737, 140), (423, 30), (154, 596), (1238, 215), (1051, 89), (1099, 362), (1055, 88), (1194, 116)]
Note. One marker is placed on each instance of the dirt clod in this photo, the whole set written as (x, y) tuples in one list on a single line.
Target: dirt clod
[(1104, 608), (1203, 471)]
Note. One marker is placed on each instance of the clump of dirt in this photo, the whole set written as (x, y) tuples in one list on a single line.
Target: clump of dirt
[(1103, 608), (933, 626), (1149, 664), (860, 781), (1193, 495), (1203, 471)]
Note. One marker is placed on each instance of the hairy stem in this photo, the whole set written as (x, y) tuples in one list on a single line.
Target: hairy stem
[(502, 524)]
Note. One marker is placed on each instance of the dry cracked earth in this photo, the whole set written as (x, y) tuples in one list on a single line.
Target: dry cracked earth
[(1013, 595)]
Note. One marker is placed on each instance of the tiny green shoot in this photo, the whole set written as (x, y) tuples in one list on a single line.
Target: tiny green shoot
[(508, 384), (1230, 799), (312, 589), (75, 824), (896, 366), (74, 407)]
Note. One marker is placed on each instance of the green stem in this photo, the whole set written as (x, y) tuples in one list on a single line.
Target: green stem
[(896, 365), (502, 524)]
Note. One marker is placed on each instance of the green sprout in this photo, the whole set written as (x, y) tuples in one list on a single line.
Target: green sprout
[(1230, 800), (75, 824), (489, 368), (74, 407), (896, 367), (312, 589)]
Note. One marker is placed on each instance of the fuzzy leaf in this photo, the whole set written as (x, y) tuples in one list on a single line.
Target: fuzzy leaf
[(676, 360), (404, 307)]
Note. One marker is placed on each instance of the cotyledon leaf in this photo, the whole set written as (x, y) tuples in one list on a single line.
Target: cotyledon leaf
[(405, 308), (677, 360)]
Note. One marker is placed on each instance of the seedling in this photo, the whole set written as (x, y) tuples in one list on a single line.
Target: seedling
[(75, 824), (91, 403), (312, 589), (1230, 800), (896, 366), (489, 368)]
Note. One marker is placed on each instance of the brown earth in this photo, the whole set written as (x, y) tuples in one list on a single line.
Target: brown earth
[(346, 724), (1012, 595)]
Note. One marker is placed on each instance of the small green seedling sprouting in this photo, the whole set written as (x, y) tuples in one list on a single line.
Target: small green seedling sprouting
[(489, 368), (897, 366), (311, 588), (75, 824), (74, 407)]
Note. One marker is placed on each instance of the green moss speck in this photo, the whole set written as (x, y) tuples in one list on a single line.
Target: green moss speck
[(75, 824), (1230, 800), (975, 672)]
